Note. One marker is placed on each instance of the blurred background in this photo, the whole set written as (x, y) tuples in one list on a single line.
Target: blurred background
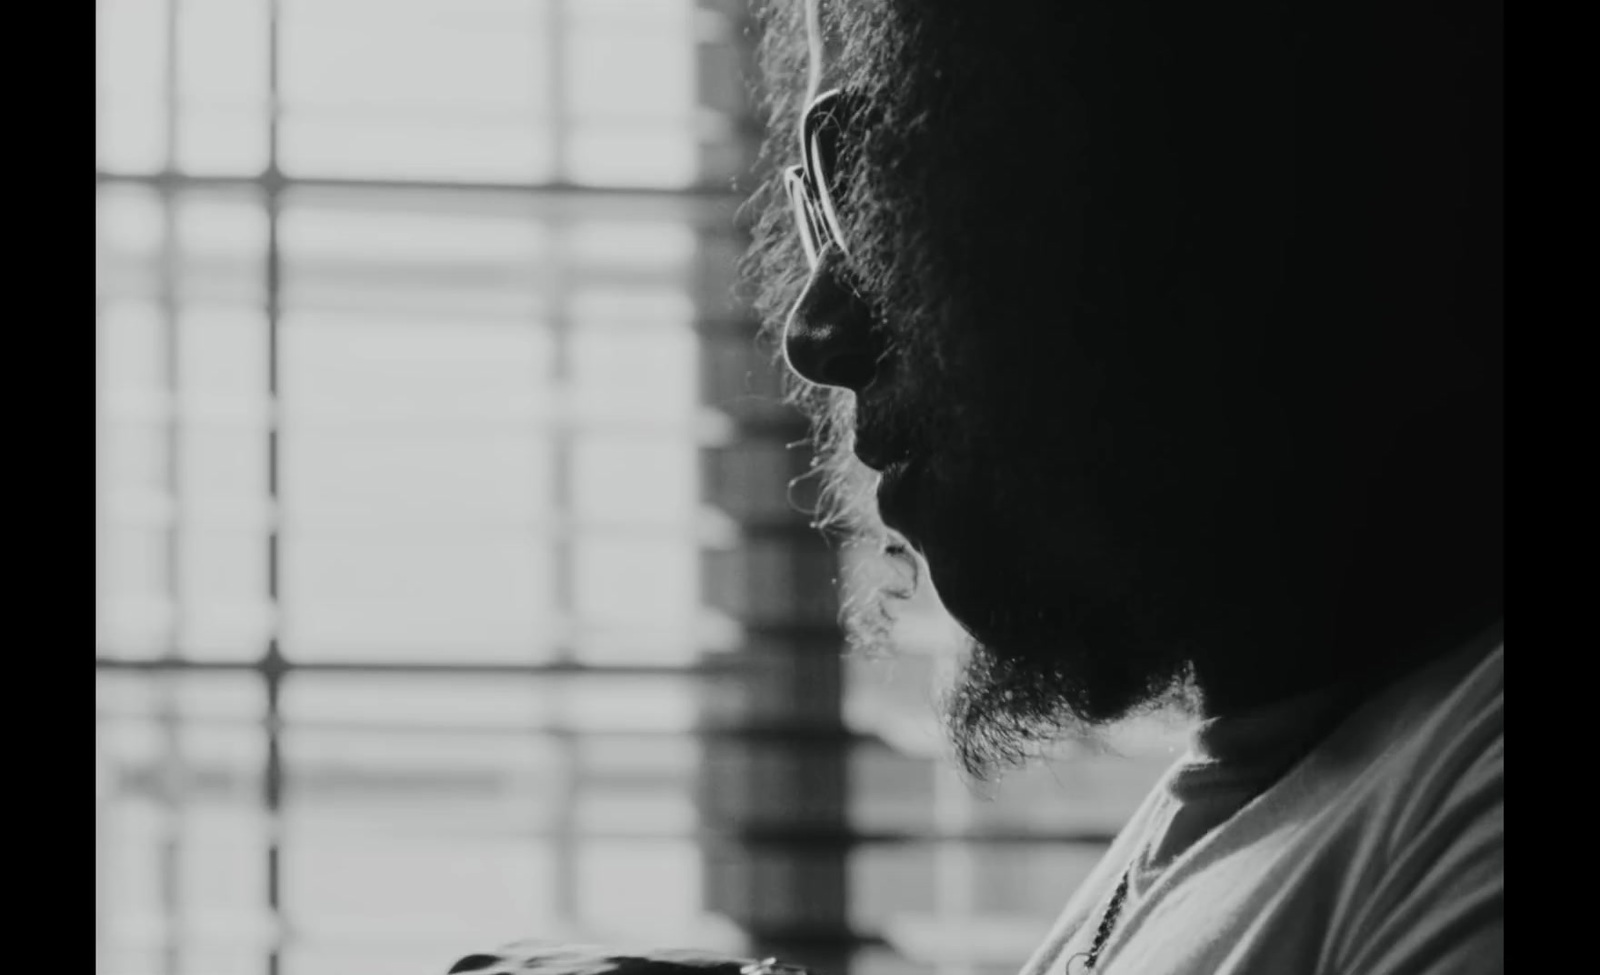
[(448, 589)]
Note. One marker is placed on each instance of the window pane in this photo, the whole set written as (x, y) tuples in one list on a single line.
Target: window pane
[(134, 350), (182, 840), (637, 481), (617, 703), (226, 613), (382, 597), (131, 44), (223, 141), (636, 245), (231, 226), (428, 801), (445, 91), (222, 75), (223, 355), (428, 53), (646, 887), (617, 155), (628, 580), (353, 882), (424, 372), (633, 375), (421, 255), (445, 149), (222, 52), (349, 480), (223, 467), (663, 56)]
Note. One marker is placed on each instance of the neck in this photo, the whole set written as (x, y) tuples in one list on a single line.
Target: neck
[(1238, 684), (1413, 571)]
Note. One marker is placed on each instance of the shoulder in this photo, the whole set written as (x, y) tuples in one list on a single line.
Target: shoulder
[(1448, 772), (1436, 863)]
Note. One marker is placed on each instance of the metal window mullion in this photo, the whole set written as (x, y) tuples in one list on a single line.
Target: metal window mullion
[(563, 837), (556, 84), (409, 667), (711, 205), (273, 665), (168, 716)]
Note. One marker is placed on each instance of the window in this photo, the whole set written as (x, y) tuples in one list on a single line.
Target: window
[(447, 589)]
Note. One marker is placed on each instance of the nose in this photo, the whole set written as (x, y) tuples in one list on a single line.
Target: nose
[(829, 339)]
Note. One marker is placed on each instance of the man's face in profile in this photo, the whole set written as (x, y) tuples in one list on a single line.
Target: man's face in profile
[(968, 221), (1067, 225)]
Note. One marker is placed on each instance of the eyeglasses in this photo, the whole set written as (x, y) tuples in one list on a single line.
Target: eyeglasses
[(814, 186)]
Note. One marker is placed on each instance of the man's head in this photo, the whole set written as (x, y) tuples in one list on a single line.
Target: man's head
[(1175, 330)]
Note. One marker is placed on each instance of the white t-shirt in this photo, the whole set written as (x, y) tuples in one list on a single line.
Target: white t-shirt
[(1378, 851)]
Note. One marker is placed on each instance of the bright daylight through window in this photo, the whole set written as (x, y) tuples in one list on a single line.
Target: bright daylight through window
[(448, 589)]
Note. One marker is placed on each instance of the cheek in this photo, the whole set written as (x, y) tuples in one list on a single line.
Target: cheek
[(1022, 524)]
